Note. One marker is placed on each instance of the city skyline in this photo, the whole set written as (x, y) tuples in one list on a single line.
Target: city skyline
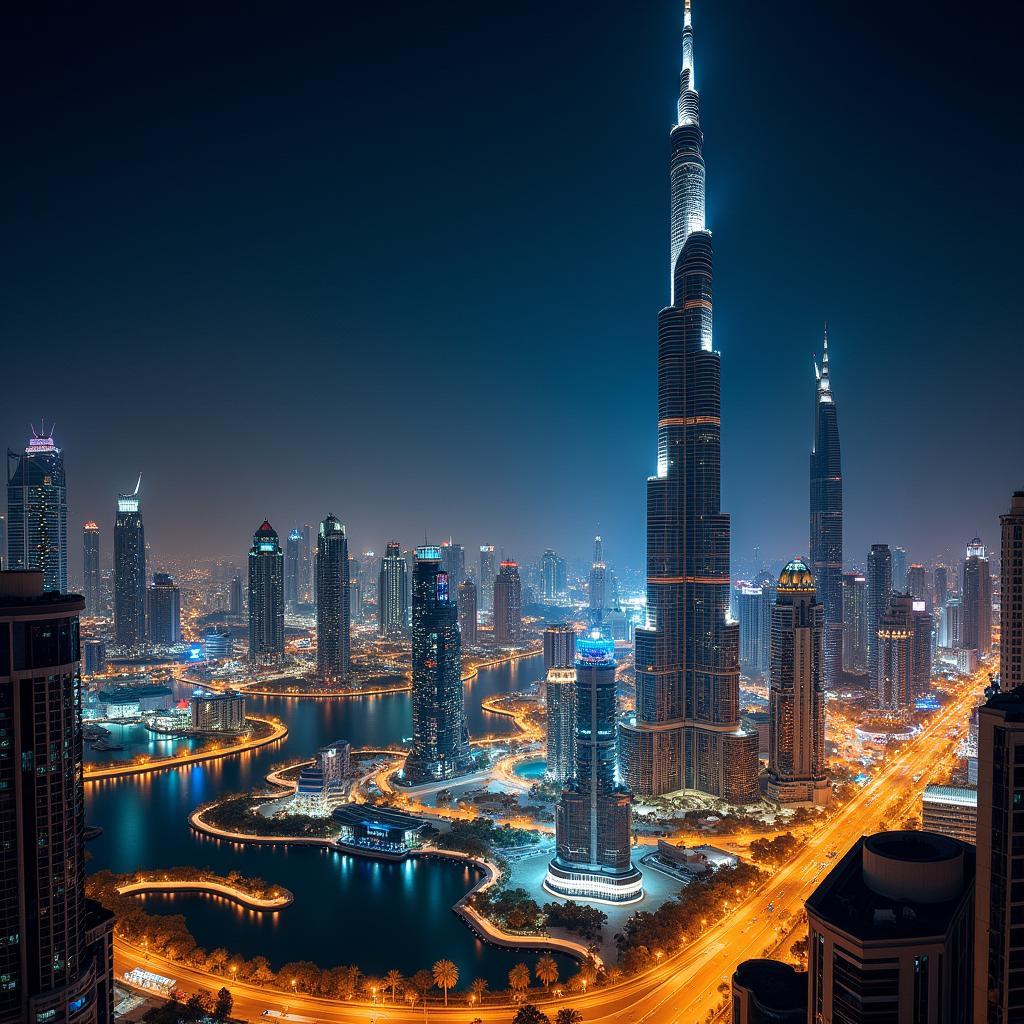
[(894, 353)]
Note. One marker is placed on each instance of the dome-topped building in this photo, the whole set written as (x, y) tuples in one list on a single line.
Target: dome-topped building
[(796, 577)]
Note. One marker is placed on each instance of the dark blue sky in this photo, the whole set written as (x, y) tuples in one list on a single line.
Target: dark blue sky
[(403, 262)]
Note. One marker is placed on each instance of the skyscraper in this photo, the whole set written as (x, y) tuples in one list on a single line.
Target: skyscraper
[(593, 818), (453, 561), (235, 596), (163, 608), (941, 585), (549, 576), (976, 600), (916, 584), (91, 568), (508, 604), (924, 627), (488, 570), (687, 733), (855, 622), (879, 591), (754, 611), (306, 565), (560, 686), (56, 957), (266, 598), (796, 701), (37, 510), (333, 595), (559, 646), (894, 690), (467, 611), (292, 562), (899, 570), (440, 739), (1011, 639), (129, 570), (392, 591), (827, 519)]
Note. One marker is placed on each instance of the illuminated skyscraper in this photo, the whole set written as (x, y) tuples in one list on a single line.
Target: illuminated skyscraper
[(941, 585), (235, 604), (266, 598), (976, 600), (796, 701), (924, 627), (129, 570), (599, 585), (879, 591), (560, 686), (754, 611), (163, 610), (593, 818), (453, 561), (467, 611), (440, 740), (37, 510), (392, 591), (508, 604), (899, 570), (894, 690), (916, 584), (687, 732), (56, 955), (91, 568), (1011, 640), (333, 597), (550, 591), (827, 519), (292, 562), (855, 622), (559, 646), (488, 571), (307, 567)]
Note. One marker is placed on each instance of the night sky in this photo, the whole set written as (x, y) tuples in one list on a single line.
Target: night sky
[(403, 262)]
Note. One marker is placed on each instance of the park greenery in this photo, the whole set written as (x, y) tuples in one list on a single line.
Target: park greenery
[(239, 813), (478, 837), (515, 910), (103, 881)]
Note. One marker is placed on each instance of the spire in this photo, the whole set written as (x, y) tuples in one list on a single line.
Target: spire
[(824, 383), (688, 109)]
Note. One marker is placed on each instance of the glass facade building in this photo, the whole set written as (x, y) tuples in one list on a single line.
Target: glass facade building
[(855, 622), (292, 563), (467, 611), (91, 568), (488, 571), (266, 598), (163, 609), (879, 592), (129, 571), (333, 601), (508, 604), (392, 592)]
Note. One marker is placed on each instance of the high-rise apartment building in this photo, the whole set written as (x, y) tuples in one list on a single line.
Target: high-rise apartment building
[(593, 818), (1011, 632), (488, 572), (56, 954), (899, 570), (467, 611), (266, 598), (827, 519), (453, 561), (307, 566), (508, 604), (440, 739), (292, 562), (879, 592), (940, 586), (552, 571), (559, 646), (560, 686), (976, 600), (895, 689), (163, 610), (687, 732), (392, 592), (333, 601), (754, 611), (796, 700), (235, 603), (37, 510), (924, 628), (91, 568), (855, 622), (916, 583), (129, 570), (952, 624)]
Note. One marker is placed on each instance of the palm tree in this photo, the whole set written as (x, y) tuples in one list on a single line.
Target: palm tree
[(519, 979), (446, 976), (567, 1015), (546, 970), (392, 980), (477, 989)]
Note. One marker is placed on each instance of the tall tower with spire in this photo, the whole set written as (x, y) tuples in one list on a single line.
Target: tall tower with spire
[(827, 519), (686, 733)]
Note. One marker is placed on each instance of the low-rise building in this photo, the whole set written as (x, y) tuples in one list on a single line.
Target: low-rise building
[(219, 711), (134, 701), (951, 811), (380, 831)]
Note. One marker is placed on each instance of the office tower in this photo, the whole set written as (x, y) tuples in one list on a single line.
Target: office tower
[(895, 689), (921, 649), (890, 931), (916, 584), (440, 740), (94, 657), (999, 941), (467, 611), (333, 612), (235, 598), (855, 622), (560, 686), (292, 561), (952, 623), (1011, 639), (129, 570), (879, 591), (687, 732), (754, 611), (37, 510), (91, 568), (976, 600), (56, 957), (951, 811), (266, 598), (559, 646), (508, 604), (488, 570), (392, 591), (941, 586), (163, 606), (453, 562), (827, 519), (550, 591), (307, 567), (899, 570), (593, 819), (796, 698)]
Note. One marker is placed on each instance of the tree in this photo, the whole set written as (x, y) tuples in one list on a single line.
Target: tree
[(519, 979), (477, 988), (546, 970), (529, 1014), (567, 1015), (391, 981), (446, 976), (224, 1005)]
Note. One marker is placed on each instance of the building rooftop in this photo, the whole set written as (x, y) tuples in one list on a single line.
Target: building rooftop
[(355, 814), (777, 987), (959, 796)]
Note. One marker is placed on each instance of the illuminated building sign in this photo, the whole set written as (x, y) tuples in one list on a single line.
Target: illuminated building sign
[(442, 586)]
